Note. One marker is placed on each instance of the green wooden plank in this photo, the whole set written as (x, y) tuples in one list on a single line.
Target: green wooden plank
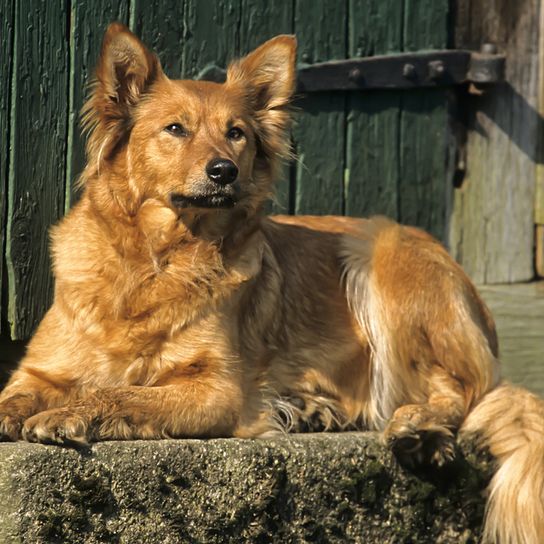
[(424, 182), (426, 24), (159, 23), (319, 132), (88, 23), (210, 34), (7, 8), (372, 151), (261, 21), (37, 157)]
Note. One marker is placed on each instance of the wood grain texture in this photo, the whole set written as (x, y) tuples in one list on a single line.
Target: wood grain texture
[(160, 25), (373, 121), (319, 133), (425, 179), (37, 160), (211, 34), (539, 189), (492, 231), (261, 21), (7, 10), (519, 314), (88, 23), (539, 250)]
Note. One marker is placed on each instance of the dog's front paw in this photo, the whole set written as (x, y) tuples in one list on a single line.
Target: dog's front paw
[(10, 426), (58, 426), (420, 443)]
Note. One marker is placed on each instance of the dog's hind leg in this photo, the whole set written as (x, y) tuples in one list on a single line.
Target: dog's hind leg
[(433, 343), (425, 433)]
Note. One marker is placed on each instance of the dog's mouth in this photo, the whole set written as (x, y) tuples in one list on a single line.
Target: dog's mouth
[(211, 201)]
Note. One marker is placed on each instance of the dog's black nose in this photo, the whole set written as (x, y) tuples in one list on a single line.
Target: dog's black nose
[(222, 171)]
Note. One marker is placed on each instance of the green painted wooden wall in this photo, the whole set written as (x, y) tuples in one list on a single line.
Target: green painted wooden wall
[(357, 153)]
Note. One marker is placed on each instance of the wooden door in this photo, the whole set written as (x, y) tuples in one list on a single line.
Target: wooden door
[(359, 153)]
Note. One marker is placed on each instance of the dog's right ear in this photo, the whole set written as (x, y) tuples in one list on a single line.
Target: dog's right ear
[(125, 71)]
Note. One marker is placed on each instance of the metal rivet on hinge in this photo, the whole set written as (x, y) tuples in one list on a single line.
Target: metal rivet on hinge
[(436, 69), (409, 71), (355, 75), (489, 49)]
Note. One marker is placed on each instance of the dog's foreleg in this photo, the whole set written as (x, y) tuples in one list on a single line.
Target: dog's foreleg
[(194, 409), (29, 391)]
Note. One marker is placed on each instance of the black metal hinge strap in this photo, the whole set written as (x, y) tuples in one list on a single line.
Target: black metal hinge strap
[(402, 71)]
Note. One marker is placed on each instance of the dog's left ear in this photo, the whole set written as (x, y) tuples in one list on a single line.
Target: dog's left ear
[(268, 77)]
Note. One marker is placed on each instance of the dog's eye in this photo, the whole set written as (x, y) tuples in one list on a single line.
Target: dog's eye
[(235, 133), (176, 129)]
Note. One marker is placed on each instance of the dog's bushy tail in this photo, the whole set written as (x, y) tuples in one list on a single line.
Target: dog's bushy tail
[(509, 421)]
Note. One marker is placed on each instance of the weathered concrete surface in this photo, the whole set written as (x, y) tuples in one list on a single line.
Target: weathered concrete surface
[(303, 488)]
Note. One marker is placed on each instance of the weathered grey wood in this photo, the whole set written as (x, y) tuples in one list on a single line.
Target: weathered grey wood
[(259, 22), (319, 132), (373, 128), (37, 160), (519, 314), (160, 25), (492, 227), (7, 8), (539, 192), (539, 253), (88, 23)]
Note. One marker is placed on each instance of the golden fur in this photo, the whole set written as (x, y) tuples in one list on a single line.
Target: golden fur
[(181, 310)]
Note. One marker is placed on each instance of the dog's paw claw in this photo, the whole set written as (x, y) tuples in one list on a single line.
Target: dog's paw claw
[(56, 427), (416, 445)]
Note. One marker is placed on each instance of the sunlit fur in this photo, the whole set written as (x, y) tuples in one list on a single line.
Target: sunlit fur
[(174, 320)]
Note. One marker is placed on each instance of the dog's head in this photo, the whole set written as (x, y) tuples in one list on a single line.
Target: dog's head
[(193, 145)]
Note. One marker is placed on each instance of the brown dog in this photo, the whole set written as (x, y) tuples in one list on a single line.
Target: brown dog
[(180, 310)]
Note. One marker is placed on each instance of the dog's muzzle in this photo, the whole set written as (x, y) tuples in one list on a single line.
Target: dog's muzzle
[(216, 200)]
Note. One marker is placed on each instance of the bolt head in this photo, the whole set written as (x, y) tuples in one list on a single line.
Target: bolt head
[(436, 69), (489, 49), (355, 75), (409, 71)]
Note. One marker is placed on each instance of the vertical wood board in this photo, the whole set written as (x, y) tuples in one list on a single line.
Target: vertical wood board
[(211, 34), (261, 21), (425, 176), (373, 121), (37, 161), (425, 180), (539, 189), (7, 8), (319, 132), (492, 227), (89, 21), (160, 25)]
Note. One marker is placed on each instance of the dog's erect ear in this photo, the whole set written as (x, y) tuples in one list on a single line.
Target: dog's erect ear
[(125, 70), (268, 72), (268, 78)]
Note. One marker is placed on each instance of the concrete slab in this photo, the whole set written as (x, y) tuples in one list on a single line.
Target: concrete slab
[(301, 488)]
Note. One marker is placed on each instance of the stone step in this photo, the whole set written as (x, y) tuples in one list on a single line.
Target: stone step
[(299, 488)]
